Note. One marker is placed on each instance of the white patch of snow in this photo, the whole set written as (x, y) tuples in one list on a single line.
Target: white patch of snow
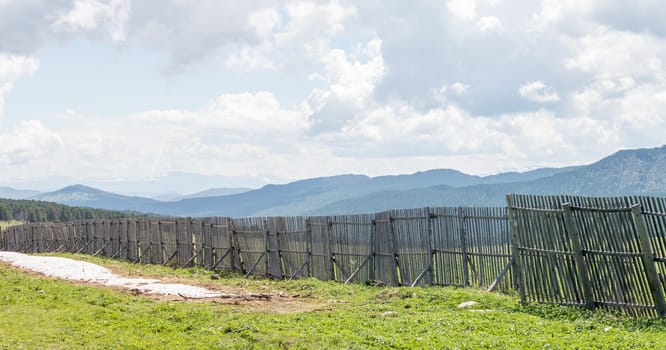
[(88, 272)]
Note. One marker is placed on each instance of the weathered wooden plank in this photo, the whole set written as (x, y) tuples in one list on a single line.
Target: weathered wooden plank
[(581, 267), (517, 262), (648, 261)]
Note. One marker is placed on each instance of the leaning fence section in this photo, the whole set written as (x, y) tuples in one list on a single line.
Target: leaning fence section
[(592, 252), (427, 246)]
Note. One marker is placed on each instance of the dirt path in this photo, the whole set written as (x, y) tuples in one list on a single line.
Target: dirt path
[(90, 273)]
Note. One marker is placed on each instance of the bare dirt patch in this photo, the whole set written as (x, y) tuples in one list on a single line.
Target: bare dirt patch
[(164, 289)]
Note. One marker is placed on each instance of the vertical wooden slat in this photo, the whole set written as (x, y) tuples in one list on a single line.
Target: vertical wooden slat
[(462, 222), (394, 244), (373, 249), (431, 255), (517, 262), (648, 261), (308, 238), (581, 267), (331, 256)]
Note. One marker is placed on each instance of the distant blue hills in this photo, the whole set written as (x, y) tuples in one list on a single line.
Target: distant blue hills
[(627, 172)]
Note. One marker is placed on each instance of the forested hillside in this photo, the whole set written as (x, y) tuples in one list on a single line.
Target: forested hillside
[(39, 211)]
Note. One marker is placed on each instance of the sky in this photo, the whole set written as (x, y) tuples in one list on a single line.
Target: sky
[(255, 92)]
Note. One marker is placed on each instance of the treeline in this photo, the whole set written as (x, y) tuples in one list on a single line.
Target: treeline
[(39, 211)]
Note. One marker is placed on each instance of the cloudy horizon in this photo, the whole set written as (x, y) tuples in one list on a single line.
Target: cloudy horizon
[(266, 91)]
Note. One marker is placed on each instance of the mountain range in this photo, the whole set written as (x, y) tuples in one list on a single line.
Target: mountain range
[(12, 193), (628, 172)]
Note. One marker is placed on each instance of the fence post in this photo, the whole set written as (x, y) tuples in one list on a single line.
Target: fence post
[(158, 252), (160, 239), (430, 243), (308, 245), (462, 226), (236, 259), (519, 283), (267, 250), (152, 244), (648, 260), (279, 251), (583, 278), (331, 256), (207, 238), (175, 255), (193, 248), (396, 266), (17, 244), (373, 238), (197, 245), (126, 226), (33, 228), (90, 237)]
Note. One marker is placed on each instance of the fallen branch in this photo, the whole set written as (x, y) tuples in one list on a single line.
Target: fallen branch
[(252, 296)]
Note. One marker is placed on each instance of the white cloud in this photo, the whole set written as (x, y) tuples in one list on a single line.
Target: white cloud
[(613, 53), (30, 141), (249, 58), (4, 88), (13, 67), (191, 31), (463, 9), (537, 91), (236, 134), (310, 22), (563, 12), (459, 88), (456, 89), (302, 40), (264, 21), (249, 113), (255, 112), (489, 24), (351, 85), (350, 79), (89, 15), (400, 131)]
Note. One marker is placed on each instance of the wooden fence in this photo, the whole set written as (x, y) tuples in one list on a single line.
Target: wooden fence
[(591, 252), (428, 246)]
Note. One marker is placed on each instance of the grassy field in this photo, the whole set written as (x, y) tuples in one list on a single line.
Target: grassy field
[(37, 312)]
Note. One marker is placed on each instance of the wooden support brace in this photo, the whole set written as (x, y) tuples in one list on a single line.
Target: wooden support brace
[(222, 258), (263, 255), (342, 270), (84, 247), (100, 249), (173, 255), (501, 275), (193, 256), (150, 245), (420, 276), (356, 271), (118, 252), (299, 270)]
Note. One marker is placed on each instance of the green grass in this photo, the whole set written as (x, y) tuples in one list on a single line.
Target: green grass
[(37, 312)]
